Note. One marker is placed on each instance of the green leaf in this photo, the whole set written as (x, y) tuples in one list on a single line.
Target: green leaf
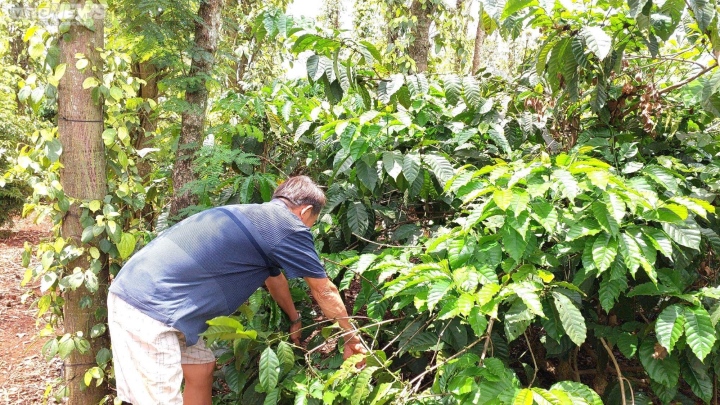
[(545, 214), (472, 91), (704, 13), (660, 366), (669, 326), (687, 235), (393, 163), (572, 320), (524, 397), (316, 66), (387, 88), (269, 369), (452, 87), (477, 321), (662, 176), (699, 331), (610, 291), (517, 320), (630, 251), (411, 166), (514, 242), (604, 218), (659, 240), (627, 343), (272, 397), (527, 293), (604, 250), (440, 167), (126, 245), (636, 6), (579, 391), (36, 50), (367, 174), (362, 387), (566, 183), (357, 217), (597, 41), (503, 198), (286, 357), (497, 135), (697, 376), (437, 292)]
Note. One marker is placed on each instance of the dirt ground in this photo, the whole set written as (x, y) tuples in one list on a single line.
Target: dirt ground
[(24, 374)]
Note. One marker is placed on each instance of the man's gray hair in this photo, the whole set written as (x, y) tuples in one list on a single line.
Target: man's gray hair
[(301, 190)]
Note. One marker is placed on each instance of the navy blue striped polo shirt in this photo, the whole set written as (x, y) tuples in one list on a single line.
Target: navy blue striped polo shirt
[(210, 263)]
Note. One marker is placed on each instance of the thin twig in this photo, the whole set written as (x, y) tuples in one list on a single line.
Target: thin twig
[(533, 359), (666, 58), (420, 376), (686, 81), (384, 244), (617, 369), (487, 342)]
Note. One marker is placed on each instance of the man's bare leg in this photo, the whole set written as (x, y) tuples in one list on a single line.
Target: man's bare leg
[(198, 383)]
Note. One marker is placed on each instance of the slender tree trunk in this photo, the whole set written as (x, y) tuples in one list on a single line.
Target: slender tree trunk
[(142, 135), (419, 49), (80, 127), (479, 40), (207, 30), (241, 65), (462, 34)]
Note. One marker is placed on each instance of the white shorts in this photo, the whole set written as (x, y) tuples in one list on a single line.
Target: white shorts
[(148, 356)]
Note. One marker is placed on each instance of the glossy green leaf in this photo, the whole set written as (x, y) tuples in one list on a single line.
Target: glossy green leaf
[(687, 235), (357, 217), (269, 369), (697, 375), (699, 331), (660, 366), (411, 166), (579, 391), (362, 387), (598, 41), (669, 326), (572, 320), (604, 250)]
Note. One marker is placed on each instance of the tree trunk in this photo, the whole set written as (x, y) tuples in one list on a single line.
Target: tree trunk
[(207, 29), (459, 7), (419, 48), (239, 66), (80, 127), (479, 40), (142, 134)]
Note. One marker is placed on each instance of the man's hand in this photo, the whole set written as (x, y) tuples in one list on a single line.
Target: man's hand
[(295, 333), (328, 298), (354, 346)]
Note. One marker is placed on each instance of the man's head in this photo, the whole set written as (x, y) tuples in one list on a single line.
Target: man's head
[(304, 198)]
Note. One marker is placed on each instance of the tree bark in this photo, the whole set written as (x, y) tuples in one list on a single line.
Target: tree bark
[(83, 176), (479, 40), (419, 48), (207, 30)]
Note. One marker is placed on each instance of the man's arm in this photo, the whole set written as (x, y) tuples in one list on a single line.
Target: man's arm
[(332, 306), (280, 291)]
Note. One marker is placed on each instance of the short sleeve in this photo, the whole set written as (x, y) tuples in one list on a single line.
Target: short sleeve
[(297, 255)]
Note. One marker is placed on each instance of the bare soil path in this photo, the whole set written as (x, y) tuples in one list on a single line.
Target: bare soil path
[(24, 374)]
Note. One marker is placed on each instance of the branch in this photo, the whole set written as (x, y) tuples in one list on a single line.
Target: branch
[(617, 369), (686, 81), (667, 58)]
